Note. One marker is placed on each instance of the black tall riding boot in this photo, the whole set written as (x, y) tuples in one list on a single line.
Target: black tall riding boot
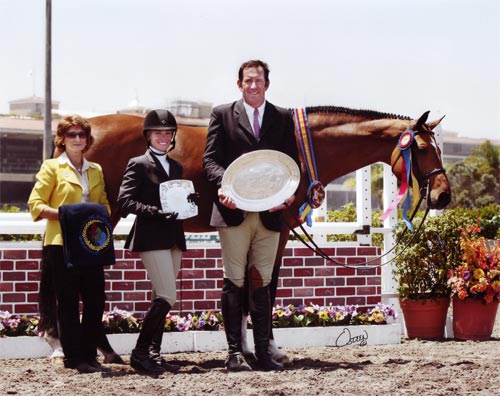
[(231, 303), (155, 350), (140, 359), (260, 312)]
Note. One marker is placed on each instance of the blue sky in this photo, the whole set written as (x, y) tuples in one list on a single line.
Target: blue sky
[(396, 56)]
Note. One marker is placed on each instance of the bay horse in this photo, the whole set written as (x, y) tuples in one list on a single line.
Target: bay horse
[(343, 140)]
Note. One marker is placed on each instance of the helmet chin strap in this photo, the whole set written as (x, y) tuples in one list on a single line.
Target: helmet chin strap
[(172, 142)]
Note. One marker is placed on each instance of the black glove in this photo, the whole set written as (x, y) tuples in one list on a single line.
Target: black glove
[(194, 198), (168, 215)]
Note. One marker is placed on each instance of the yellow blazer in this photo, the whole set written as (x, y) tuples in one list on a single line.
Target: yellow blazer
[(57, 184)]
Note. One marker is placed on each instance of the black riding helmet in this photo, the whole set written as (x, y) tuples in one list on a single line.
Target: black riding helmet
[(160, 120)]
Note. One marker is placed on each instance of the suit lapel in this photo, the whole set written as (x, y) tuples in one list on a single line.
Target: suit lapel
[(268, 120), (241, 117)]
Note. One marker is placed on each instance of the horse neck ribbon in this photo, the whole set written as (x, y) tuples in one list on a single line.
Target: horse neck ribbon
[(405, 141), (316, 191)]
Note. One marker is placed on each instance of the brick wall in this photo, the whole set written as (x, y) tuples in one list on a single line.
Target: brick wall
[(304, 278)]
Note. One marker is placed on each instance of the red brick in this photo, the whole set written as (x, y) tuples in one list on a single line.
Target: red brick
[(286, 272), (185, 284), (346, 251), (193, 274), (213, 294), (293, 262), (324, 271), (26, 265), (113, 275), (35, 253), (13, 297), (335, 281), (358, 262), (303, 292), (205, 263), (192, 295), (6, 265), (302, 272), (211, 274), (357, 300), (342, 271), (324, 291), (368, 251), (134, 296), (373, 300), (345, 291), (122, 286), (335, 301), (311, 282), (123, 265), (291, 301), (356, 281), (14, 276), (215, 253), (366, 271), (204, 305), (187, 263), (302, 252), (119, 254), (34, 276), (124, 306), (374, 281), (143, 285), (316, 301), (7, 307), (14, 254), (284, 292), (135, 275), (114, 296), (366, 290), (6, 286), (204, 284), (127, 254), (292, 282), (194, 253), (187, 306), (26, 309), (32, 297), (26, 286)]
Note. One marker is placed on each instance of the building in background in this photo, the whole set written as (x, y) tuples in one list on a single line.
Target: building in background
[(32, 106)]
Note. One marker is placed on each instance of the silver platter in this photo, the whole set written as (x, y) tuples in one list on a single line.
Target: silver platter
[(173, 198), (260, 180)]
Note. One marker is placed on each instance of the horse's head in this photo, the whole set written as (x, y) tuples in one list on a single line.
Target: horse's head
[(426, 163)]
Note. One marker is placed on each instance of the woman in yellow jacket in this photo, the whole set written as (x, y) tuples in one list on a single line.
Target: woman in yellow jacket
[(70, 179)]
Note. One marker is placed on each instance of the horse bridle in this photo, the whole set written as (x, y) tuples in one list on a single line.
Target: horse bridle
[(424, 193), (423, 179)]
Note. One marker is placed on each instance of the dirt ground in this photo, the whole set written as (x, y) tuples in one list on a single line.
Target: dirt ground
[(445, 368)]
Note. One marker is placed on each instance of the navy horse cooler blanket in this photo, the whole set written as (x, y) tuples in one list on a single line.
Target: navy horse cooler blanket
[(87, 235)]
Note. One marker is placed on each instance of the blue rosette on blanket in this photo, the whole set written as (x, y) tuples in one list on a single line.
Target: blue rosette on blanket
[(87, 235)]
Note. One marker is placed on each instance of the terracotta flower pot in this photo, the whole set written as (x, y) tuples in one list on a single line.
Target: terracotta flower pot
[(425, 318), (472, 319)]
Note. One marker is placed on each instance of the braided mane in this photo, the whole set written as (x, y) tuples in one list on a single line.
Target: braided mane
[(355, 112)]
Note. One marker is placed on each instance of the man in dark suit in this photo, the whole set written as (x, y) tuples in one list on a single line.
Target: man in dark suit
[(249, 240)]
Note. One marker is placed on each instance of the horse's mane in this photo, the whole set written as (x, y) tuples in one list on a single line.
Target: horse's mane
[(354, 112)]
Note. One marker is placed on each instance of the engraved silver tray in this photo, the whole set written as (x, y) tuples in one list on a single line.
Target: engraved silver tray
[(260, 180)]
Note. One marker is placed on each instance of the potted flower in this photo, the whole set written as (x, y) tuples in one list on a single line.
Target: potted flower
[(423, 259), (475, 285)]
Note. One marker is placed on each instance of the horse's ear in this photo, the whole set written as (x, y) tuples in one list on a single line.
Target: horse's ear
[(416, 125), (435, 123)]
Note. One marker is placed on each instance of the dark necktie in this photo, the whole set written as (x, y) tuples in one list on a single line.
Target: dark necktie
[(256, 126)]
